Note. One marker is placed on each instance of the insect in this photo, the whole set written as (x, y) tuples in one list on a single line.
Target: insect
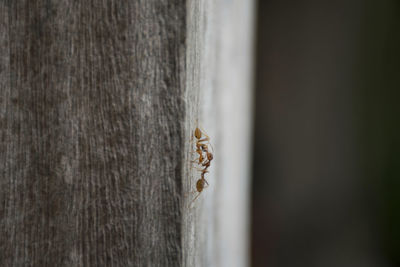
[(200, 185), (204, 160), (199, 150), (210, 157), (201, 146)]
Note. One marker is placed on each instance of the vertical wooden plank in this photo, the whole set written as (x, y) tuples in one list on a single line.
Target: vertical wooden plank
[(5, 136), (98, 103), (91, 126)]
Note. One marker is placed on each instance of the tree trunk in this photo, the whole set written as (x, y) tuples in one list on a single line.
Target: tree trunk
[(98, 102)]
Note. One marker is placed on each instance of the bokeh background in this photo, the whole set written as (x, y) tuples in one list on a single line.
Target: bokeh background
[(326, 172)]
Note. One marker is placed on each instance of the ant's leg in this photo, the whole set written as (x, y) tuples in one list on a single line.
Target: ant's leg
[(191, 202), (194, 153), (206, 162), (203, 132), (208, 143), (212, 148), (207, 139), (197, 169), (195, 161), (203, 171), (200, 159), (190, 192), (191, 141)]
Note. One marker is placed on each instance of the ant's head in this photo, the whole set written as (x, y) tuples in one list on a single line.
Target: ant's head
[(197, 133), (210, 156)]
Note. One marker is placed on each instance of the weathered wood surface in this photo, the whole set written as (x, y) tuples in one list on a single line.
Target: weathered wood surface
[(97, 102)]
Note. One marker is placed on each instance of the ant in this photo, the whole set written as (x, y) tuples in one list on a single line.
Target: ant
[(204, 161), (210, 157), (200, 185), (201, 147)]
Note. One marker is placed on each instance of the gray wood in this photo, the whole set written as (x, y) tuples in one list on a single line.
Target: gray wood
[(91, 131), (98, 100)]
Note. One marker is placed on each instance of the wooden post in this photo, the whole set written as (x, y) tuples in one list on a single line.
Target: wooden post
[(98, 100)]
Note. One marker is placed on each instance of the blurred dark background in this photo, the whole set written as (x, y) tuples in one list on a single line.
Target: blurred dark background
[(326, 186)]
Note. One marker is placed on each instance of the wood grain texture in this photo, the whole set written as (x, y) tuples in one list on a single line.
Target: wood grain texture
[(91, 131), (98, 100)]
